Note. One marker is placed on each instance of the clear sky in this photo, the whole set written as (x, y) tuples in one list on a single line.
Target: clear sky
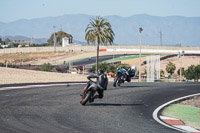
[(12, 10)]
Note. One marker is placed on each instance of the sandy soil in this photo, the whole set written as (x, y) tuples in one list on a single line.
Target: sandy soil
[(48, 57), (14, 76)]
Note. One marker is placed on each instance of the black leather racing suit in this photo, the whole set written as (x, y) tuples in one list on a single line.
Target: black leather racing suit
[(102, 82)]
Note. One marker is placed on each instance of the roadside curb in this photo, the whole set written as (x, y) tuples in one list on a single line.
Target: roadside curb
[(22, 86), (172, 122), (178, 124)]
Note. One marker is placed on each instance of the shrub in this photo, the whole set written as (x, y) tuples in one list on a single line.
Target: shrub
[(107, 68), (170, 68), (193, 72), (46, 67), (2, 64)]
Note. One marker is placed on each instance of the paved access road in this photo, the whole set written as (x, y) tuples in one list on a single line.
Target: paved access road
[(125, 109)]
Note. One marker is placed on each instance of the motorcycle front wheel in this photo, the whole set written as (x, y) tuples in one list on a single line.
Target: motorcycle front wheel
[(86, 98), (116, 80)]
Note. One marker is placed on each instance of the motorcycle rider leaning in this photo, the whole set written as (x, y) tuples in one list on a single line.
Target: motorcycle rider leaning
[(129, 72), (102, 82)]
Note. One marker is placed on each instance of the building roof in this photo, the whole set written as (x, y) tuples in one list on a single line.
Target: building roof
[(65, 38)]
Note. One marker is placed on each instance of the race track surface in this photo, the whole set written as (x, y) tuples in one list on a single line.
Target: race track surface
[(101, 59), (125, 109)]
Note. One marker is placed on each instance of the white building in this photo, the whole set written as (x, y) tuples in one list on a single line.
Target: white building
[(68, 42), (65, 41)]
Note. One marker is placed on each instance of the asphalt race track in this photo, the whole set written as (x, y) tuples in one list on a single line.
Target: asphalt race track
[(125, 109), (101, 59)]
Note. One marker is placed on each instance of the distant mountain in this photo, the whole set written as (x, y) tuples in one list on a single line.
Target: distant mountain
[(35, 40), (175, 29), (23, 38)]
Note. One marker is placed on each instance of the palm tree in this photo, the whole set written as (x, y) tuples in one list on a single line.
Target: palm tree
[(140, 30), (99, 31)]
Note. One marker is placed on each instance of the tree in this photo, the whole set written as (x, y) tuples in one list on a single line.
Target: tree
[(59, 36), (170, 68), (0, 41), (7, 40), (197, 73), (189, 73), (99, 31), (162, 73)]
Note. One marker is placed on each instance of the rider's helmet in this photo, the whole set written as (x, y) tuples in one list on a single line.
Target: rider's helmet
[(134, 68), (100, 72)]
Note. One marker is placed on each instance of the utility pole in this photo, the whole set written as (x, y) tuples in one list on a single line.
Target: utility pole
[(32, 41), (140, 30), (54, 38), (61, 27), (160, 37)]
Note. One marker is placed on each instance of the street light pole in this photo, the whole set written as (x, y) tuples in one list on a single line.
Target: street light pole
[(180, 55), (54, 38), (140, 30)]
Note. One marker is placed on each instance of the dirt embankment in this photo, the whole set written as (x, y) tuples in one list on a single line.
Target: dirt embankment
[(35, 58)]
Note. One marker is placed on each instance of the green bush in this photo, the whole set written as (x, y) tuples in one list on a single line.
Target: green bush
[(107, 68), (46, 67), (12, 66), (193, 72), (2, 64), (170, 68)]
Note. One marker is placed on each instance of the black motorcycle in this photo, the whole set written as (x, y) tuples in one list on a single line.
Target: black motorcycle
[(88, 92), (122, 75)]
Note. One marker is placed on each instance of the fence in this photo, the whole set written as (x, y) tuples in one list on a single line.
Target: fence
[(153, 68)]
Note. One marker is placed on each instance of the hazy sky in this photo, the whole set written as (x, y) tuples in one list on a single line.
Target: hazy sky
[(27, 9)]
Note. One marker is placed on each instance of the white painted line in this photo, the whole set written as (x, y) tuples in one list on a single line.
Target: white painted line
[(41, 85), (155, 113), (187, 128), (168, 118)]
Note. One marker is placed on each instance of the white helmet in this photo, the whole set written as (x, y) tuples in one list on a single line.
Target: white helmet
[(134, 68)]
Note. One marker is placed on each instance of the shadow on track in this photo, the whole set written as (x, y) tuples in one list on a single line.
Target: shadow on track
[(113, 104), (133, 86), (124, 87)]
